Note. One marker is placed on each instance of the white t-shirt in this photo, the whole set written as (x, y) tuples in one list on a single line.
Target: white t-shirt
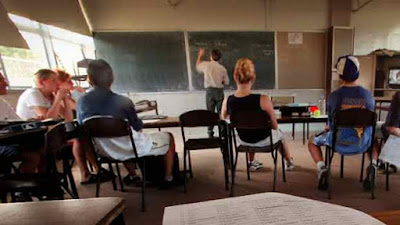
[(215, 74), (30, 98), (6, 111)]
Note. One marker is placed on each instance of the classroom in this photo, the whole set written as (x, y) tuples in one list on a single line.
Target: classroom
[(181, 112)]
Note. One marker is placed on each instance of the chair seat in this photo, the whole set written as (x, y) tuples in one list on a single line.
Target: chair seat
[(269, 148), (202, 143), (108, 160), (29, 182)]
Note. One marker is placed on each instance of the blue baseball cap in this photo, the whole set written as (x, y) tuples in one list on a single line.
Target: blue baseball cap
[(348, 68)]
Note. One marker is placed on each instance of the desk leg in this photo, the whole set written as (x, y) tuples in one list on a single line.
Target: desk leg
[(119, 220), (380, 110)]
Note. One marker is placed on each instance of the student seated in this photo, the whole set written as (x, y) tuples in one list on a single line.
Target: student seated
[(390, 127), (65, 82), (48, 100), (350, 140), (101, 101), (10, 153), (243, 100)]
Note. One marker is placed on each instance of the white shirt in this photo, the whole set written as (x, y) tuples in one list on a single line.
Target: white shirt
[(215, 75), (6, 111), (31, 97)]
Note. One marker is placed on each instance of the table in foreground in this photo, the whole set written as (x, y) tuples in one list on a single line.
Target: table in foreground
[(266, 208), (388, 217), (68, 212)]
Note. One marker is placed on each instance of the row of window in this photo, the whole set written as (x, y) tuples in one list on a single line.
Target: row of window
[(50, 47)]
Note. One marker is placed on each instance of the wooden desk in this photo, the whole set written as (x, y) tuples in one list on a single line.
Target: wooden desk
[(68, 212), (162, 123), (265, 208), (25, 136), (388, 217), (174, 121)]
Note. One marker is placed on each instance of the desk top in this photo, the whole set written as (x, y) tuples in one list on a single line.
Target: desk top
[(16, 137), (383, 99), (68, 212), (174, 121), (388, 217), (265, 208)]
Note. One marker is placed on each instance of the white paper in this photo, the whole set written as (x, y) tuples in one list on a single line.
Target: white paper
[(391, 151), (295, 38), (266, 208)]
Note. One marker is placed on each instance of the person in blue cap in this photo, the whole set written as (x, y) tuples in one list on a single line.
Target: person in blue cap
[(350, 140)]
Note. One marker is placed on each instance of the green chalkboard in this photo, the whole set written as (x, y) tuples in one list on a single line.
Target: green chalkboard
[(257, 46), (144, 61)]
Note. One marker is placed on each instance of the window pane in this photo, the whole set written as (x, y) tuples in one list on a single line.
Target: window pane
[(21, 64)]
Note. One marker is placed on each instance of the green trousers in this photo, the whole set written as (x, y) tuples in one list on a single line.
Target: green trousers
[(214, 98)]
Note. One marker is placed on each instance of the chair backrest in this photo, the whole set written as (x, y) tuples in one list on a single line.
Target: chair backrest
[(354, 118), (199, 118), (106, 127), (251, 120), (281, 100)]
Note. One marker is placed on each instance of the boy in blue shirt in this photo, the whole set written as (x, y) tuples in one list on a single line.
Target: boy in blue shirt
[(350, 140)]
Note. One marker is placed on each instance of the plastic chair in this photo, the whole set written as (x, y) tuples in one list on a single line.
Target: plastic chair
[(107, 127), (350, 118), (203, 118), (252, 121)]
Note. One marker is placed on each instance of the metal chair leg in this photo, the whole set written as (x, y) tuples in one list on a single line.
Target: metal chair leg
[(283, 164), (275, 169), (3, 197), (98, 187), (387, 176), (329, 158), (372, 179), (341, 165), (233, 163), (362, 167), (143, 170), (120, 177), (184, 170), (190, 165), (247, 166), (71, 180), (304, 133), (293, 130), (226, 166), (114, 183)]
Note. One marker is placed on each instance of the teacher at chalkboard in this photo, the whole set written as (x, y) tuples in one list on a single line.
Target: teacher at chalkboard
[(215, 77)]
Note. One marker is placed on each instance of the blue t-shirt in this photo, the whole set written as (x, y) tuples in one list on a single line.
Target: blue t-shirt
[(103, 102), (350, 140)]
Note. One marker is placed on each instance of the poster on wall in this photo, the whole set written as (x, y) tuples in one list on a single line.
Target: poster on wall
[(295, 38)]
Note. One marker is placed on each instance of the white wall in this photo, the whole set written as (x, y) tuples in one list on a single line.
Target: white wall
[(377, 25), (282, 15), (174, 104)]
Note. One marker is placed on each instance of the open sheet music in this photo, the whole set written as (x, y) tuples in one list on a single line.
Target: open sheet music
[(266, 208)]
